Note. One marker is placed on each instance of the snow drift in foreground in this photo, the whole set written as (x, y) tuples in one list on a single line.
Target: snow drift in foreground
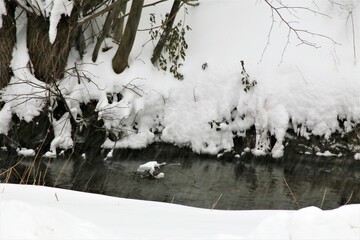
[(54, 213)]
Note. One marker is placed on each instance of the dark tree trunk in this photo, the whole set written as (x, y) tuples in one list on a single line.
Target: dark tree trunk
[(104, 32), (118, 26), (165, 34), (110, 19), (7, 41), (120, 60), (49, 60)]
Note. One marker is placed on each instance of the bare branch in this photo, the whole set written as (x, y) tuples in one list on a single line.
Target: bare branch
[(110, 8), (154, 3), (268, 36), (299, 33)]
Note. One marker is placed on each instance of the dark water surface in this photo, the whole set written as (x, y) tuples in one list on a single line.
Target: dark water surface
[(190, 179)]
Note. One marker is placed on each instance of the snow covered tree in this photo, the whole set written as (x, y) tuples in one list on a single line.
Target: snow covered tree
[(54, 27)]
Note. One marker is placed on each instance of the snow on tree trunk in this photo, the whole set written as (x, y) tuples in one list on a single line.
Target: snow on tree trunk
[(58, 9)]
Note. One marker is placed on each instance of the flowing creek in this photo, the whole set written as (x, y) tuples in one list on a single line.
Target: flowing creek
[(190, 179)]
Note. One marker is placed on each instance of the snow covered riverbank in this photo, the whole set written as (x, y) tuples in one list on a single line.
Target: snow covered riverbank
[(35, 212), (312, 90)]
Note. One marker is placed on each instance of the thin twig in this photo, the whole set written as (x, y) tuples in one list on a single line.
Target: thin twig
[(292, 194), (88, 181), (194, 94), (63, 167), (217, 200), (353, 32), (323, 198), (349, 197)]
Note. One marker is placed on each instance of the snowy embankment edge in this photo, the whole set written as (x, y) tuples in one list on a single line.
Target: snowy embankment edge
[(54, 213)]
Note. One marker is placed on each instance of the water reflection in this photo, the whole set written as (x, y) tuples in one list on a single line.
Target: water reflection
[(190, 179)]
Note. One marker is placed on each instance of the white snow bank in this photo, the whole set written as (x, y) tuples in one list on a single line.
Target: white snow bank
[(303, 88), (306, 89), (34, 212)]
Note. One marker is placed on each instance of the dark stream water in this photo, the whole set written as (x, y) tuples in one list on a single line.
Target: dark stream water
[(190, 179)]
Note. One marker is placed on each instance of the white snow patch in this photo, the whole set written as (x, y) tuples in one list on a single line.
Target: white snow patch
[(110, 154), (5, 116), (62, 132), (357, 156), (50, 154), (327, 153), (25, 152), (160, 175), (54, 11)]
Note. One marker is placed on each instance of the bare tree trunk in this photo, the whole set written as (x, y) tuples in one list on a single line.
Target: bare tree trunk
[(7, 41), (118, 26), (49, 60), (120, 60), (110, 19), (165, 34), (104, 31)]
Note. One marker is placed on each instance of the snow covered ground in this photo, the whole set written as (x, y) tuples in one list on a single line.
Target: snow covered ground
[(36, 212)]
